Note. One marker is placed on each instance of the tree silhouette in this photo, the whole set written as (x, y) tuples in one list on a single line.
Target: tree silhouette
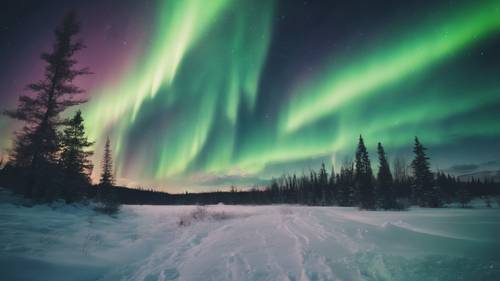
[(74, 159), (364, 177), (345, 185), (36, 145), (463, 195), (107, 179), (323, 185), (107, 193), (385, 182), (424, 193)]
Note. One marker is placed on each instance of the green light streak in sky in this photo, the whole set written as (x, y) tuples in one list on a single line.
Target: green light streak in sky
[(426, 115), (180, 24), (322, 97), (205, 60), (325, 115), (190, 106), (233, 56)]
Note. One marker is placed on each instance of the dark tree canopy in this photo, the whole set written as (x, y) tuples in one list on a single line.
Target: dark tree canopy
[(385, 182), (37, 145), (364, 177), (424, 192), (53, 94), (107, 178), (74, 159), (345, 185), (74, 147)]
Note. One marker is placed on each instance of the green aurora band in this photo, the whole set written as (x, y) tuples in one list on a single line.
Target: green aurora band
[(191, 107), (231, 43), (394, 62)]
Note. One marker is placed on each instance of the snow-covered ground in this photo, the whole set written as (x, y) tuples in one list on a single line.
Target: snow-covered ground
[(247, 243)]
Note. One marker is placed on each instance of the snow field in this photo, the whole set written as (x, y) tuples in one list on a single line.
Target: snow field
[(247, 243)]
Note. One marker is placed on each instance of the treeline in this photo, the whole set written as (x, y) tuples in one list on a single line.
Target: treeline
[(357, 185), (50, 158)]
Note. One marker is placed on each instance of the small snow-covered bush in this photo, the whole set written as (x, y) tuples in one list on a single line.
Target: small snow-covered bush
[(218, 216), (201, 214), (107, 207)]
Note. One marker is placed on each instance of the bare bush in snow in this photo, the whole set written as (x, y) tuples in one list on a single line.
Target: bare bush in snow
[(202, 214)]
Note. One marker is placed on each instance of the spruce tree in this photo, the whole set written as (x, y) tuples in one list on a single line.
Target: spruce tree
[(423, 192), (74, 159), (37, 144), (323, 185), (332, 187), (346, 189), (463, 195), (385, 182), (364, 177), (106, 194), (107, 179)]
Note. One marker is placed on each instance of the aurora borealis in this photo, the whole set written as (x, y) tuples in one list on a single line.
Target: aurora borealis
[(201, 94)]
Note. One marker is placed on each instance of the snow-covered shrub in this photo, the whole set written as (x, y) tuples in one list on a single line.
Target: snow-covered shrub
[(201, 214), (218, 216), (107, 207), (197, 214)]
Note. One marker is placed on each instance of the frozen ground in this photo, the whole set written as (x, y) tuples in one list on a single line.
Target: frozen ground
[(247, 243)]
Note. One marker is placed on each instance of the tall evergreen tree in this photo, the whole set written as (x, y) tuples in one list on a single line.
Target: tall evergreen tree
[(37, 144), (107, 179), (385, 183), (424, 192), (107, 195), (74, 159), (364, 177), (402, 181), (323, 185), (345, 184), (463, 195), (332, 187), (74, 147)]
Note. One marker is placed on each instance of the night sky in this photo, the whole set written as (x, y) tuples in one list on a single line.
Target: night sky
[(198, 95)]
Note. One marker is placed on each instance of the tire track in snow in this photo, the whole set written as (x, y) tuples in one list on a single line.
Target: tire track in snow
[(313, 265), (270, 258), (299, 249)]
